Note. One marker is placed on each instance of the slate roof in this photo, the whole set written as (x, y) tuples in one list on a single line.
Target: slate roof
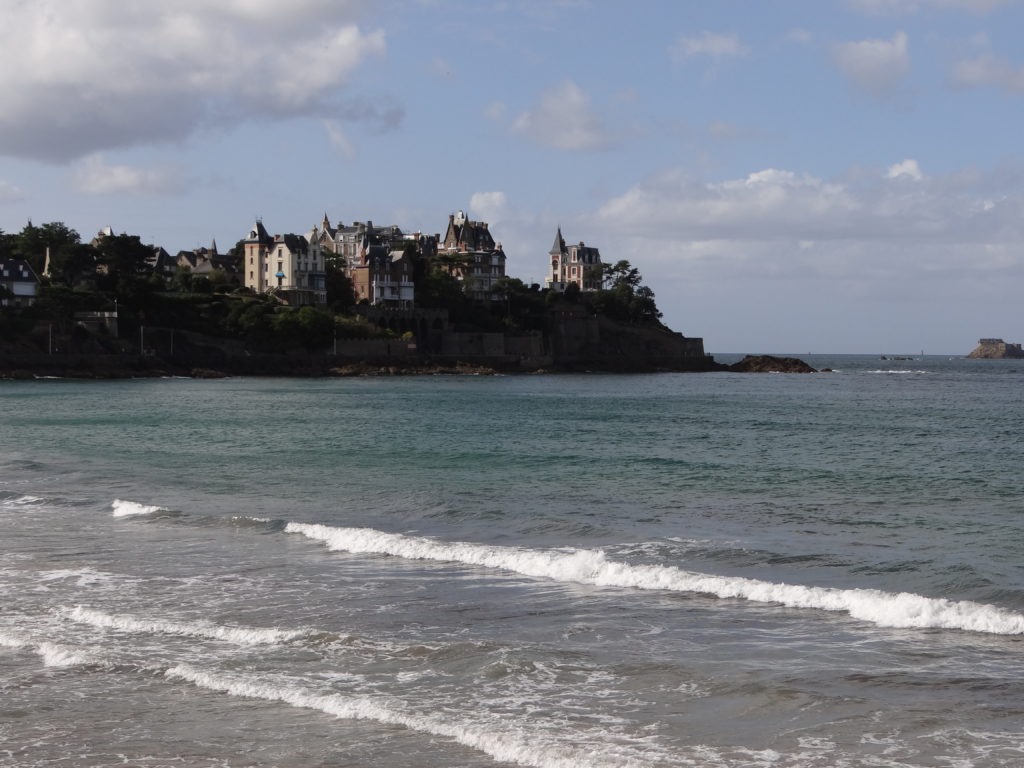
[(469, 235), (294, 243), (14, 270), (259, 234), (559, 246)]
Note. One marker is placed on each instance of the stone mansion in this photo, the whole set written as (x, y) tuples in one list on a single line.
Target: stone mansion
[(380, 261)]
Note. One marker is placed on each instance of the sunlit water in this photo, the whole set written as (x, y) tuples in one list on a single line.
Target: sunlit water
[(667, 570)]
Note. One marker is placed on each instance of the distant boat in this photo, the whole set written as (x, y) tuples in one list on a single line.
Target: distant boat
[(896, 357)]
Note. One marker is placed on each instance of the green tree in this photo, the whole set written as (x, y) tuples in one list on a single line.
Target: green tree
[(440, 290), (621, 274), (6, 244), (624, 297), (125, 265), (306, 327), (340, 295), (67, 253), (58, 304), (252, 320)]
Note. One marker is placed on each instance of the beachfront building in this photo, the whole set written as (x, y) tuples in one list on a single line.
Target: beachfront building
[(19, 281), (285, 266), (343, 245), (161, 262), (384, 277), (573, 265), (472, 256), (208, 263)]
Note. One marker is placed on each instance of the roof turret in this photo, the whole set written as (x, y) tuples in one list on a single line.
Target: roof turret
[(259, 234), (559, 246)]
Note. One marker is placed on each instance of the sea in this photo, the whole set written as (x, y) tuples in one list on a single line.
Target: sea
[(717, 570)]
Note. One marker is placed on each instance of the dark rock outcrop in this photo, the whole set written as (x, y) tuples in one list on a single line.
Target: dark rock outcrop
[(771, 364)]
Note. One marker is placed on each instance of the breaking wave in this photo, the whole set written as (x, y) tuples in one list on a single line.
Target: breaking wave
[(22, 501), (505, 743), (886, 609), (52, 654), (124, 508), (207, 630)]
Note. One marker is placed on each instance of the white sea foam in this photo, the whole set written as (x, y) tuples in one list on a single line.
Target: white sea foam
[(236, 635), (13, 640), (85, 577), (56, 655), (23, 501), (508, 743), (52, 654), (592, 567), (124, 508)]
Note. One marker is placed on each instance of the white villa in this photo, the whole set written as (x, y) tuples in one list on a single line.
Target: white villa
[(287, 266)]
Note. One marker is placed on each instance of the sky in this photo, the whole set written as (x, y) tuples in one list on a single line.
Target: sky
[(789, 176)]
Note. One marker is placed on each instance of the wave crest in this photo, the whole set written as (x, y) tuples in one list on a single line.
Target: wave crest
[(122, 508), (901, 610), (506, 744), (207, 630)]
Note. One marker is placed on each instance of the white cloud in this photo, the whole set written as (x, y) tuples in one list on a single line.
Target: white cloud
[(10, 193), (907, 169), (488, 206), (563, 119), (781, 224), (767, 204), (94, 176), (861, 263), (987, 70), (338, 139), (875, 66), (84, 75), (707, 44)]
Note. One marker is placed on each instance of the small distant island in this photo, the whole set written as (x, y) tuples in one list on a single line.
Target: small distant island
[(996, 349), (338, 300)]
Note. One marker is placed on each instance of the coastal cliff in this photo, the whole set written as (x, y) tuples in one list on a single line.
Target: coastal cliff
[(996, 349), (573, 341)]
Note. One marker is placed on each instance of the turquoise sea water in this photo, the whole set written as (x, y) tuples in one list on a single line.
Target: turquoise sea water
[(566, 570)]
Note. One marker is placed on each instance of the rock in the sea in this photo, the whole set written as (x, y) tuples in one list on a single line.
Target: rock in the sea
[(996, 349), (771, 364)]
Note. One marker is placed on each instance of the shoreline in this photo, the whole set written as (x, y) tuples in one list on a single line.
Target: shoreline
[(123, 367)]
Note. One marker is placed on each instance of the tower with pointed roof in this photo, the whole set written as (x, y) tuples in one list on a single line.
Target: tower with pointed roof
[(573, 265)]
